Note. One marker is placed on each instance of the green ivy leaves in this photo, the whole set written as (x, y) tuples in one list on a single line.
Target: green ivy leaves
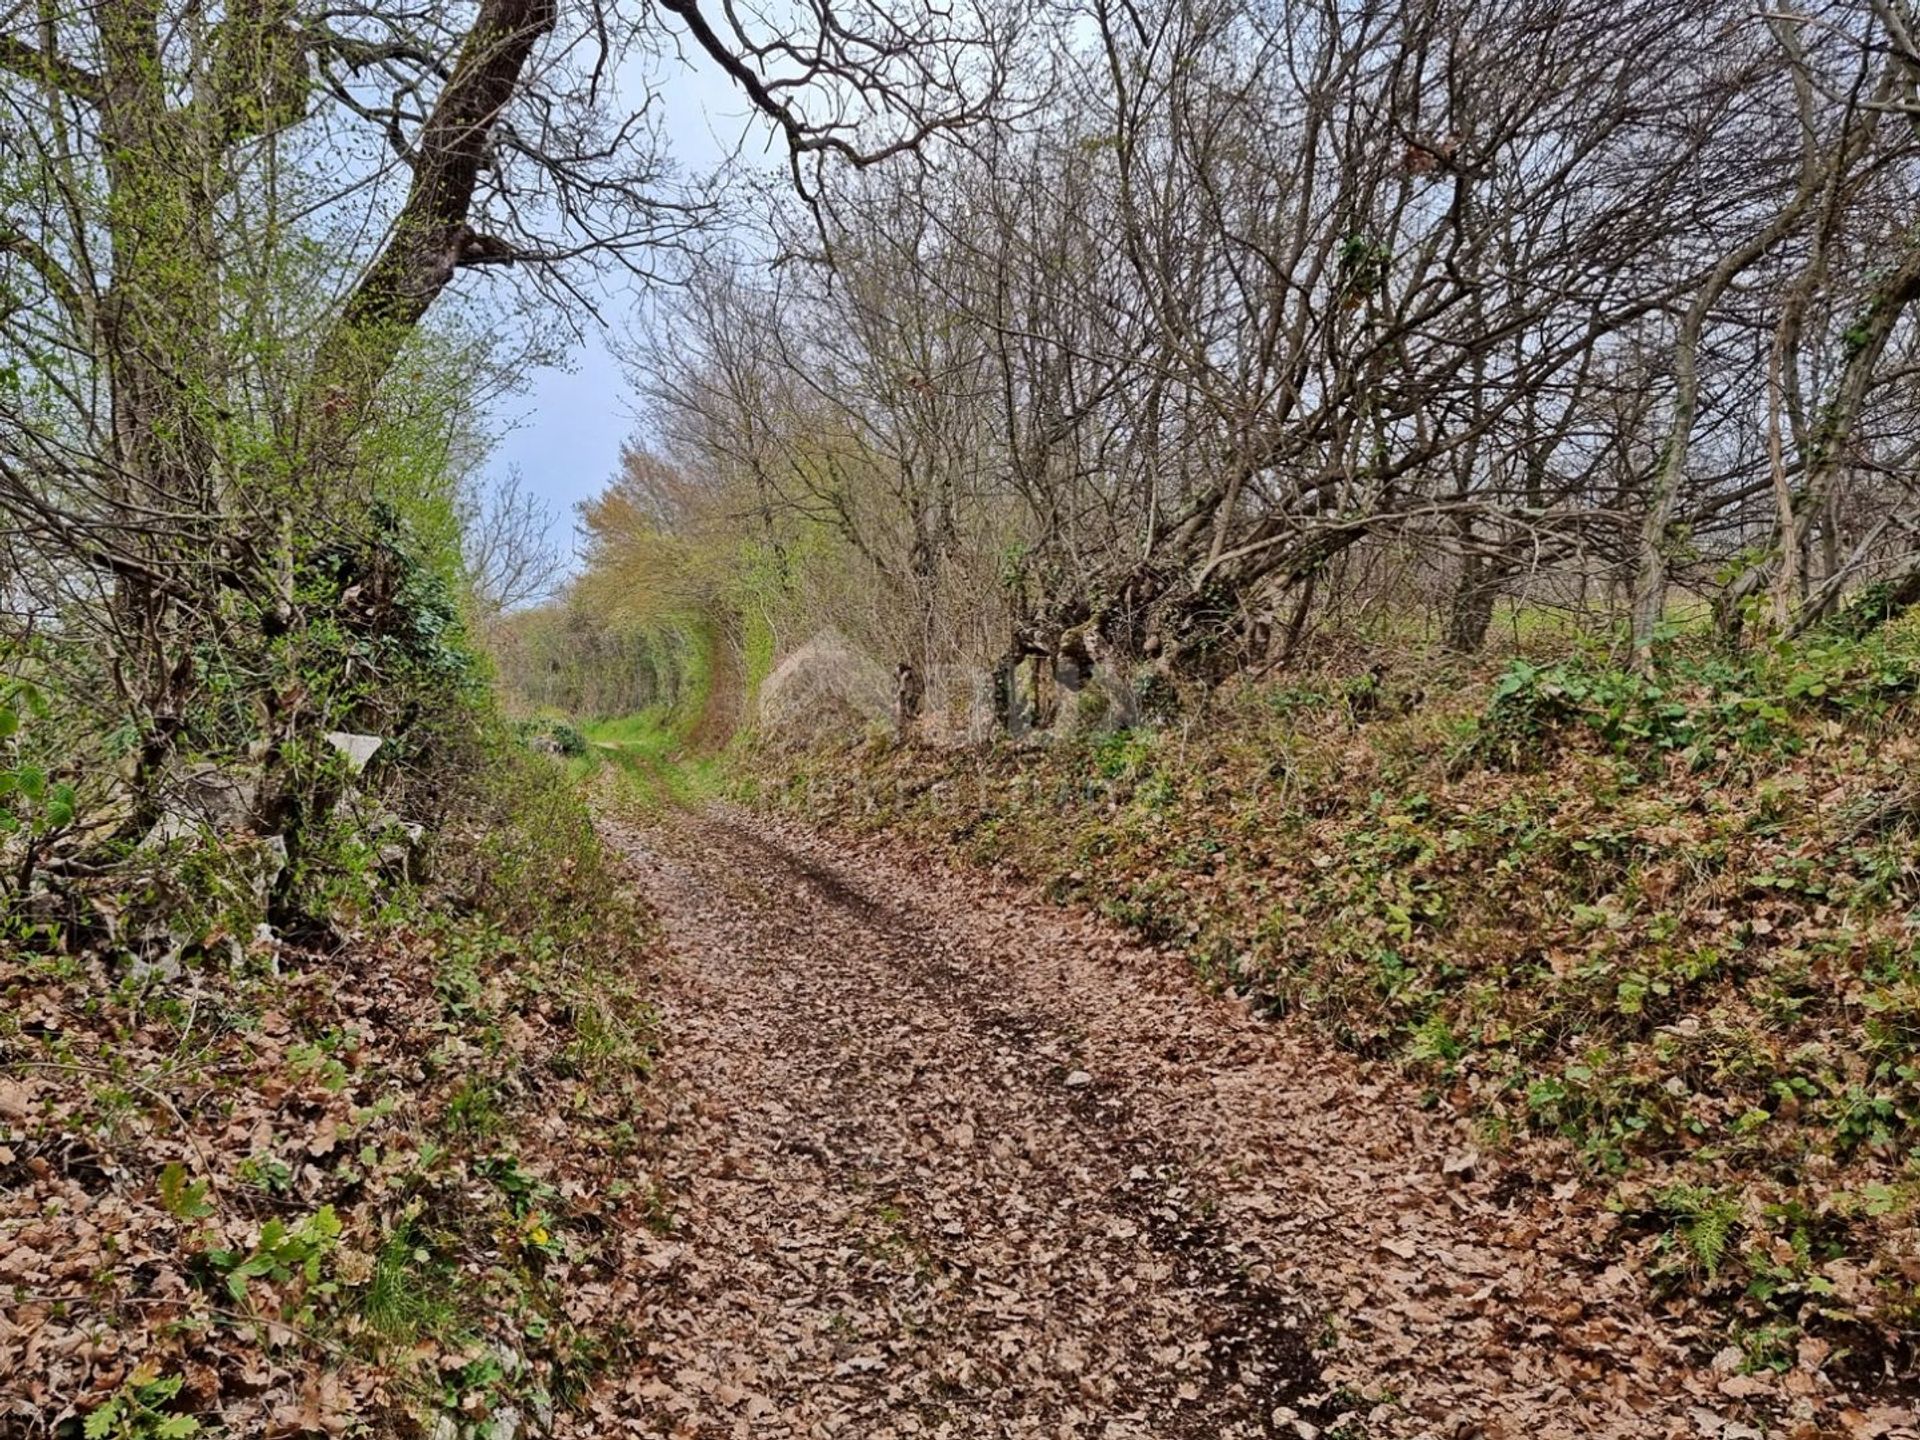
[(28, 801)]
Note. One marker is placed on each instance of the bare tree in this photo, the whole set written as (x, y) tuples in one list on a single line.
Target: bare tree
[(507, 544), (224, 229), (1447, 301)]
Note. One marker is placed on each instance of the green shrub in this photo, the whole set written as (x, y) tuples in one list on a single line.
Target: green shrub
[(1696, 706)]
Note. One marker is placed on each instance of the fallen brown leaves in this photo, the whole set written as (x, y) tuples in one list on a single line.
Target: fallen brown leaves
[(1697, 968), (948, 1165), (315, 1193)]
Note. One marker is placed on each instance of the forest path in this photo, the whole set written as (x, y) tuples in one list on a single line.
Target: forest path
[(947, 1163)]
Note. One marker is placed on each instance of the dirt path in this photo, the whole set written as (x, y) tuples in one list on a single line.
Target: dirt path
[(946, 1165)]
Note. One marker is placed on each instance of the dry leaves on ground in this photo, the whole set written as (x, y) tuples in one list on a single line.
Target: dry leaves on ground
[(949, 1164)]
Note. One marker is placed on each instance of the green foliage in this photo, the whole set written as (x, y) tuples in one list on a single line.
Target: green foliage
[(757, 651), (647, 761), (1664, 918), (1704, 1223), (30, 801), (1122, 755), (424, 1204), (564, 658), (181, 1199), (386, 616), (280, 1254), (299, 573), (1697, 707), (410, 1293), (474, 1109), (1433, 1040), (1364, 265), (138, 1411)]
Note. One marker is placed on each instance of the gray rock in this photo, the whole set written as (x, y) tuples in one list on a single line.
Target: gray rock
[(359, 749), (983, 711), (205, 798), (825, 689), (245, 870), (257, 864), (166, 968), (266, 944), (396, 842)]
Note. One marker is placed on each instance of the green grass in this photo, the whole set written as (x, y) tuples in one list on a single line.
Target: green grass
[(666, 754), (651, 732), (410, 1295), (758, 650), (646, 759)]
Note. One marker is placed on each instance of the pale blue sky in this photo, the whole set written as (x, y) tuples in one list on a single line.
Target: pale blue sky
[(565, 430)]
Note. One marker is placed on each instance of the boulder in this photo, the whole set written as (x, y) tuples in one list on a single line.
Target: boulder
[(826, 689), (206, 798)]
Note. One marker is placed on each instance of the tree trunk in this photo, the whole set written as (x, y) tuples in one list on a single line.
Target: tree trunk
[(156, 323), (1657, 541), (1471, 614)]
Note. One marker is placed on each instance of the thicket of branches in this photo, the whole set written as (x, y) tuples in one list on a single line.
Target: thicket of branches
[(261, 262), (1283, 316)]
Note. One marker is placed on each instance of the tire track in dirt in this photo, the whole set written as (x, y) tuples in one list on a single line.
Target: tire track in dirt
[(943, 1165)]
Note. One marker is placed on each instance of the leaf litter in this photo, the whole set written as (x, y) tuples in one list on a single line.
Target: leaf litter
[(949, 1163)]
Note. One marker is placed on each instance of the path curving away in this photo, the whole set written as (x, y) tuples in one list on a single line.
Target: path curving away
[(945, 1163)]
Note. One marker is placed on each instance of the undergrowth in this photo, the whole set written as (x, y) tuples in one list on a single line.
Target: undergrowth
[(335, 1185)]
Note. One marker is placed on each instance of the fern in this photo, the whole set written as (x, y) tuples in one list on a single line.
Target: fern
[(1706, 1220)]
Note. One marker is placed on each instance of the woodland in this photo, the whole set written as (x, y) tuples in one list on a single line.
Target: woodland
[(1378, 539)]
